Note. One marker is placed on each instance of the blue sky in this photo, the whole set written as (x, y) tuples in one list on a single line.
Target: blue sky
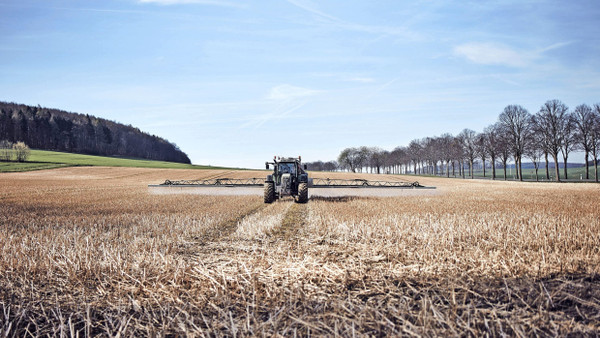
[(236, 82)]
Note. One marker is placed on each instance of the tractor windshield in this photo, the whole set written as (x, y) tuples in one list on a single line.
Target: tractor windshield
[(287, 168)]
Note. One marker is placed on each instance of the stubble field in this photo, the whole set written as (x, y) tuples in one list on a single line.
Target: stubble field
[(91, 251)]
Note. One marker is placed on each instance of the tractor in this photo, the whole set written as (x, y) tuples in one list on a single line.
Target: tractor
[(289, 178)]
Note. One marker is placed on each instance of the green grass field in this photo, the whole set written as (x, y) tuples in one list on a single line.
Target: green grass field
[(573, 173), (529, 174), (42, 159)]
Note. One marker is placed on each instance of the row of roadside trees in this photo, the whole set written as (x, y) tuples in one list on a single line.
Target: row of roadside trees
[(551, 134)]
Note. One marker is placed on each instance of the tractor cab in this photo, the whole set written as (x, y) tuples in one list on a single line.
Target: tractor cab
[(287, 168)]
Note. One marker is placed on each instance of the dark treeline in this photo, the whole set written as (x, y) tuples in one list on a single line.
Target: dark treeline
[(549, 136), (322, 166), (52, 129)]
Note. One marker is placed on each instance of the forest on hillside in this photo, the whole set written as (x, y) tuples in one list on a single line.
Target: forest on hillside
[(53, 129)]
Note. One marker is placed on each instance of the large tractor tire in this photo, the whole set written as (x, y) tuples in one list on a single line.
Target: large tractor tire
[(269, 192), (302, 193)]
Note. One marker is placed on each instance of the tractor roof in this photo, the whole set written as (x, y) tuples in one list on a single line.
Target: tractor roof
[(289, 159)]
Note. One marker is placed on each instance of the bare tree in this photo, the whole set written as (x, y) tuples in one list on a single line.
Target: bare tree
[(6, 151), (516, 121), (551, 121), (468, 139), (583, 117), (431, 154), (386, 162), (541, 137), (492, 139), (21, 151), (482, 149), (399, 157), (362, 157), (438, 156), (457, 155), (348, 159), (569, 141), (376, 158), (595, 138), (545, 147), (414, 151), (534, 149), (330, 166), (445, 145), (354, 159), (315, 166), (504, 146)]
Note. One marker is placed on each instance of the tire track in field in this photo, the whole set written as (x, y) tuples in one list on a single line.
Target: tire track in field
[(278, 224), (217, 175), (294, 220), (262, 224), (226, 228), (282, 220), (253, 226), (215, 233), (262, 240)]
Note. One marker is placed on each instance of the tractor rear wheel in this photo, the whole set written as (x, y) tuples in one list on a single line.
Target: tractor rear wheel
[(302, 193), (269, 192)]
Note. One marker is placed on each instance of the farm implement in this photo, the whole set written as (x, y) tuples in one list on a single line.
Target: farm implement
[(289, 178)]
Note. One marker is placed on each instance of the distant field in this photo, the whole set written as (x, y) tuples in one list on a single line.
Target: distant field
[(573, 173), (42, 159), (529, 174), (28, 166)]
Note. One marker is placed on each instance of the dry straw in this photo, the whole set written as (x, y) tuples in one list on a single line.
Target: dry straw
[(89, 251)]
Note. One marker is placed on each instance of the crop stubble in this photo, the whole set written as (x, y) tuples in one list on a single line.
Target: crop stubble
[(90, 250)]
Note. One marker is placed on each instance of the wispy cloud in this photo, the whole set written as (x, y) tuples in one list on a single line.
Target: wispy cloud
[(288, 92), (282, 100), (102, 10), (187, 2), (488, 53), (309, 6), (555, 46), (506, 80), (381, 88), (282, 112), (336, 22), (345, 77), (492, 54), (361, 79)]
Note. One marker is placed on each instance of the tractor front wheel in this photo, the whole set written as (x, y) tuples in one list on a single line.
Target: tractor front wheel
[(302, 193), (269, 192)]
